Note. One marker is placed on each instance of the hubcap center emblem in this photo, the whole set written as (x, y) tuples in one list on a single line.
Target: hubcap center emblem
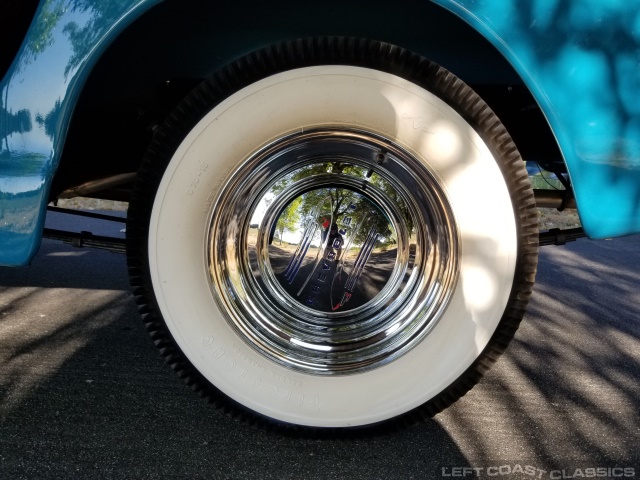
[(332, 249)]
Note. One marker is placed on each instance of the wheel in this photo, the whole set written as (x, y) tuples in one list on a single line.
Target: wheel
[(332, 233)]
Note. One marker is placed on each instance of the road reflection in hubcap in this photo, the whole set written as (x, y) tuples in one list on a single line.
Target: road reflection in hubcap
[(332, 249)]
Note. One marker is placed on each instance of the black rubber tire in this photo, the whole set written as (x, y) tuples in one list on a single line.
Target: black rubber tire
[(331, 51)]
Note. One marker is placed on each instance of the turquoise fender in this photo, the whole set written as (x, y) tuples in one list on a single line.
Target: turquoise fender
[(580, 59), (37, 98)]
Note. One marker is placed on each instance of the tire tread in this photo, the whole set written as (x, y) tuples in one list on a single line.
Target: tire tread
[(321, 51)]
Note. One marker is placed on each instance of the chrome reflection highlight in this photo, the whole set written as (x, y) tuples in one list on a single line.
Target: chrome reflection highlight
[(332, 251), (340, 229)]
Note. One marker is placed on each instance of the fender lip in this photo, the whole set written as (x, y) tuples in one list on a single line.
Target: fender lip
[(35, 114), (584, 85)]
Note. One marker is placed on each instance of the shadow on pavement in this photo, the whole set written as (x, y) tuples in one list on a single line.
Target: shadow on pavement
[(567, 392), (84, 394)]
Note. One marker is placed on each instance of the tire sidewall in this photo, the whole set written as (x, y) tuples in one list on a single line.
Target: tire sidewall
[(334, 96)]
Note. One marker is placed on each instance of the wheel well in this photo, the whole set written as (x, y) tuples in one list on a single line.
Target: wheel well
[(164, 54)]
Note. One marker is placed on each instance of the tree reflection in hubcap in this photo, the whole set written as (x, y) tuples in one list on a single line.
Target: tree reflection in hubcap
[(335, 249), (332, 251)]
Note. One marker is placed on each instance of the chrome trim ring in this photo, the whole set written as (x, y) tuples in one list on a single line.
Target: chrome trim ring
[(332, 251)]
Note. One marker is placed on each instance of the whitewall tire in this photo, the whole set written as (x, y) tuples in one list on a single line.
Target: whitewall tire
[(410, 314)]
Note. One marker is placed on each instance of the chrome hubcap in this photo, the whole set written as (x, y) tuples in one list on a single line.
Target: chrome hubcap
[(332, 251)]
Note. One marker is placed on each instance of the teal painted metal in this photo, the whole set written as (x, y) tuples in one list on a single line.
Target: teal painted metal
[(581, 60), (37, 97)]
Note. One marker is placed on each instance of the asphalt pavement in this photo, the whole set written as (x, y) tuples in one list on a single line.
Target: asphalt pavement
[(84, 394)]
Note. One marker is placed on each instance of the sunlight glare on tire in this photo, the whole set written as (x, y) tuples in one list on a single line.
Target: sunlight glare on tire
[(479, 287), (444, 138)]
